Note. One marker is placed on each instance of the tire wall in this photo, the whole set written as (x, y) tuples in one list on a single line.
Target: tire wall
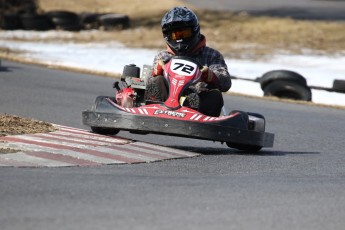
[(285, 84), (24, 14)]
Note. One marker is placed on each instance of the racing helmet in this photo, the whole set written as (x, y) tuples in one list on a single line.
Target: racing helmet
[(181, 30)]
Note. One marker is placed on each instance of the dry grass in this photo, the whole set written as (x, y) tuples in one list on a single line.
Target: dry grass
[(14, 125), (265, 35), (235, 35), (133, 8)]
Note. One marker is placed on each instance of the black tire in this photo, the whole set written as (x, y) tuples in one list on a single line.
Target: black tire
[(65, 20), (288, 90), (339, 86), (104, 131), (62, 15), (242, 147), (36, 22), (90, 20), (114, 21), (284, 75), (10, 22)]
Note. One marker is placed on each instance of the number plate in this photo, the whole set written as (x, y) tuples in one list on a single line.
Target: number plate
[(183, 67)]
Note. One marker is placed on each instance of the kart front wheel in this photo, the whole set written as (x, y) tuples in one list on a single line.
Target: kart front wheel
[(104, 131), (243, 147)]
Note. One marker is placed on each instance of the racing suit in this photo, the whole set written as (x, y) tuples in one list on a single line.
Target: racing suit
[(204, 97)]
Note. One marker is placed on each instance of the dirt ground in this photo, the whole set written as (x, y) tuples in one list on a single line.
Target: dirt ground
[(15, 125), (235, 35)]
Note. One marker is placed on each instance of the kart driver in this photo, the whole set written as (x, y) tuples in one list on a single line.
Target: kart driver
[(181, 32)]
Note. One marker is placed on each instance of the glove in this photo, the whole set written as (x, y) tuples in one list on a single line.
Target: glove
[(207, 75), (158, 68)]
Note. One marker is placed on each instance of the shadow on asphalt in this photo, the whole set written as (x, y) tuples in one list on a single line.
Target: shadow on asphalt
[(6, 69), (229, 151)]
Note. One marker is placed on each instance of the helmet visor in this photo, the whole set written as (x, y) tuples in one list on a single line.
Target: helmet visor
[(181, 34)]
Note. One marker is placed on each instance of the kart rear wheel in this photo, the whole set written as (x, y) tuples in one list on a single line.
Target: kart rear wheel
[(104, 131), (243, 147)]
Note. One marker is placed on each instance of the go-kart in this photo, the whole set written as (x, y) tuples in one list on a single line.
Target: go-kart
[(129, 111)]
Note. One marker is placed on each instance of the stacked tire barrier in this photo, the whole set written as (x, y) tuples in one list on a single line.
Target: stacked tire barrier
[(10, 11), (24, 15), (64, 20), (285, 84), (292, 85)]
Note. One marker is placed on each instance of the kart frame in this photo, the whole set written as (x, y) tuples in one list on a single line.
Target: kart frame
[(108, 115)]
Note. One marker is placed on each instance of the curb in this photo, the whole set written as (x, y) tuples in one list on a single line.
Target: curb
[(69, 146)]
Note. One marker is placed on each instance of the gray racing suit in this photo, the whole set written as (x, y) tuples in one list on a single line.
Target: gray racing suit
[(207, 98)]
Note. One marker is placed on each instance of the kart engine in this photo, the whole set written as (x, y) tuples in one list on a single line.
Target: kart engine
[(131, 93)]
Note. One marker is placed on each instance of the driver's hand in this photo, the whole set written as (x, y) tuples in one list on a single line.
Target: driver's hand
[(158, 68), (207, 75)]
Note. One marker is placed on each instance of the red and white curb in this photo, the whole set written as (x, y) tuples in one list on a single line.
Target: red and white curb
[(77, 147)]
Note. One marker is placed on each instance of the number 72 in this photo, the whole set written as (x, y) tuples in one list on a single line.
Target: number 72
[(183, 67)]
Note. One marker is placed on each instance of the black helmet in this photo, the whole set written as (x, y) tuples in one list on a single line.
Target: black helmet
[(181, 30)]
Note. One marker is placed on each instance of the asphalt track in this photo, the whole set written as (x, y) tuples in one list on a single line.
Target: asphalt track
[(299, 184)]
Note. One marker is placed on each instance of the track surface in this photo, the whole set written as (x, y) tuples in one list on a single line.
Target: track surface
[(299, 184)]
